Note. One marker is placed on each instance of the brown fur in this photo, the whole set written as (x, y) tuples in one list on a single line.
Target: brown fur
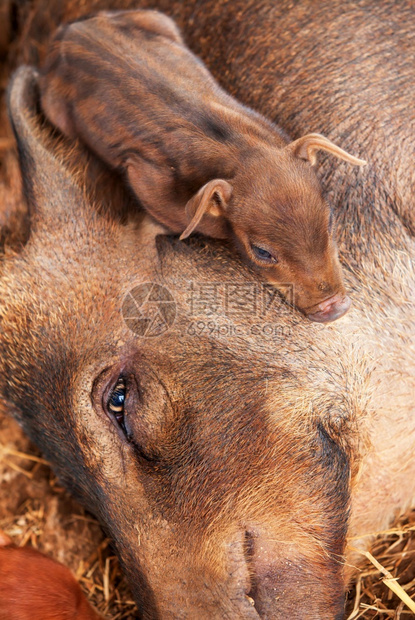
[(35, 587), (127, 86), (242, 464)]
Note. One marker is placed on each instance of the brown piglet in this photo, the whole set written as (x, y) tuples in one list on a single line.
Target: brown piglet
[(35, 587), (198, 160)]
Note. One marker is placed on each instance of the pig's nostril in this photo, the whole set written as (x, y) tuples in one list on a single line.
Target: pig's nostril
[(248, 547), (250, 600), (249, 554)]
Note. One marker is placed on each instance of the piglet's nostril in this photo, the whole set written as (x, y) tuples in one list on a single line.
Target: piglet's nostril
[(324, 287)]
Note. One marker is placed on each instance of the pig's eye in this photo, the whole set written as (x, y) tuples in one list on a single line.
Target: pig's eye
[(263, 255), (116, 401)]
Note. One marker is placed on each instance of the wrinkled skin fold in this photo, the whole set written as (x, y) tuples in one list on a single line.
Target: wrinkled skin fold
[(243, 461)]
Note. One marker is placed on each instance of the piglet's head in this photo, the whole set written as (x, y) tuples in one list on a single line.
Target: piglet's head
[(281, 224)]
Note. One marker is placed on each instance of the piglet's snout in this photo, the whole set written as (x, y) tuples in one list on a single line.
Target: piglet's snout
[(330, 309)]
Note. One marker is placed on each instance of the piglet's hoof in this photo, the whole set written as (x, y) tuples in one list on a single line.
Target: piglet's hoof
[(35, 587)]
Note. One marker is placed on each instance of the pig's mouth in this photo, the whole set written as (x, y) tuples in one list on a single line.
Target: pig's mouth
[(330, 310)]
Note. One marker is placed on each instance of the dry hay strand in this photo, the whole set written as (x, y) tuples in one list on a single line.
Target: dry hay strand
[(387, 575)]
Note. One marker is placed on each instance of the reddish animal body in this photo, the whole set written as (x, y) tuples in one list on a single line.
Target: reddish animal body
[(126, 85), (228, 468), (35, 587)]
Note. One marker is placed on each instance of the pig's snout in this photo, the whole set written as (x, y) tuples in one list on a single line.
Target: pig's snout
[(330, 309)]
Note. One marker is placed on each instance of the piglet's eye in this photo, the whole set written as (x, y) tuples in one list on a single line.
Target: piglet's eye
[(263, 255)]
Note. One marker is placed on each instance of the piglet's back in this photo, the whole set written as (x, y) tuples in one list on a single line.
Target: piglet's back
[(126, 84)]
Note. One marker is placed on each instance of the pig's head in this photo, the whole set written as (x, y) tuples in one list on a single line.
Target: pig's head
[(220, 466), (281, 224)]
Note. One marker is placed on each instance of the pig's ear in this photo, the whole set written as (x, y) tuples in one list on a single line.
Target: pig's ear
[(211, 201), (307, 147), (49, 187)]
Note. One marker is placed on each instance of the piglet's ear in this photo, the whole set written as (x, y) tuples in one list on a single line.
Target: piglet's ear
[(210, 201), (307, 147)]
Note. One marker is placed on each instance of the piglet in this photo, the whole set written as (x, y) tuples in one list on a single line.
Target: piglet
[(127, 86), (35, 587)]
